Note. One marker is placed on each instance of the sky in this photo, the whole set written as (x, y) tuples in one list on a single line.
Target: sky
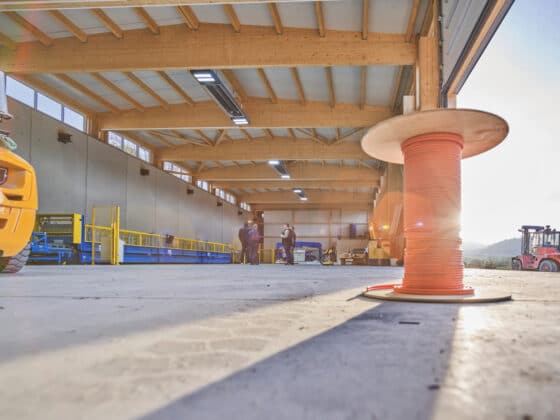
[(518, 78)]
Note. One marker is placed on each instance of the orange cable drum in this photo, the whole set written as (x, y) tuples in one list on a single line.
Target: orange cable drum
[(432, 208)]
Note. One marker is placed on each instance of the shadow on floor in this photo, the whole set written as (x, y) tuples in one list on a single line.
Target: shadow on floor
[(385, 363)]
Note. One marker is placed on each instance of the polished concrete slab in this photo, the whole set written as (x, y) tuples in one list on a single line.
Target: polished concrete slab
[(274, 342)]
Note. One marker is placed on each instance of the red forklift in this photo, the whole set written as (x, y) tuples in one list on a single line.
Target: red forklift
[(540, 249)]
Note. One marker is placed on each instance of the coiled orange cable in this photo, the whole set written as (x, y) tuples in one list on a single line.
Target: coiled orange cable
[(432, 208)]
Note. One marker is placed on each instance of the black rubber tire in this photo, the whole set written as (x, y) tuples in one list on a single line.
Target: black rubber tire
[(516, 264), (548, 265), (9, 265)]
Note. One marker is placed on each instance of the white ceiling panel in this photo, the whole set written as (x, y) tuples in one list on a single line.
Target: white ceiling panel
[(235, 135), (125, 17), (47, 24), (314, 81), (124, 83), (191, 87), (280, 132), (380, 84), (164, 15), (210, 14), (256, 132), (68, 91), (297, 15), (343, 15), (148, 138), (347, 84), (86, 21), (14, 31), (160, 86), (89, 82), (390, 16), (282, 82), (253, 14), (251, 82), (327, 133)]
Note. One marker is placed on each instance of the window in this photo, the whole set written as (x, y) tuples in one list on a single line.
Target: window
[(177, 171), (20, 92), (43, 103), (130, 147), (115, 140), (49, 106), (202, 185), (73, 119), (230, 198), (245, 206)]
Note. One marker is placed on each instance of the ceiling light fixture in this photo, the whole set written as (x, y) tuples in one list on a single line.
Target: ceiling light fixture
[(274, 162), (285, 176)]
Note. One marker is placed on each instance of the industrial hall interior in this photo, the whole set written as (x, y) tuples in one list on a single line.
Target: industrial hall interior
[(251, 209)]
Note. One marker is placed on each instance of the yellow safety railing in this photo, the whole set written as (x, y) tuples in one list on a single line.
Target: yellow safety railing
[(152, 240)]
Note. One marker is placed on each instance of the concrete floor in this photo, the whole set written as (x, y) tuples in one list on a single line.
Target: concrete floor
[(271, 342)]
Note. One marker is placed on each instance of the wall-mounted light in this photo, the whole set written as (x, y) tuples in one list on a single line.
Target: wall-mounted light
[(190, 191), (144, 172), (64, 138)]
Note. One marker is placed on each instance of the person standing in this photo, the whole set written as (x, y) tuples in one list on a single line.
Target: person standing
[(292, 244), (253, 244), (288, 242), (243, 233)]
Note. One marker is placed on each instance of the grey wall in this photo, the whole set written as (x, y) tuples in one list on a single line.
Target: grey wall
[(74, 177)]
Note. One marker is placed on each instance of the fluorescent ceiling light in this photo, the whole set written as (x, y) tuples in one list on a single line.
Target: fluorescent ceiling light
[(240, 120), (303, 198), (204, 76), (274, 162), (298, 190), (285, 176)]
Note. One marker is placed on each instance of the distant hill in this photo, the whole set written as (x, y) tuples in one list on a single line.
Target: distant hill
[(506, 248)]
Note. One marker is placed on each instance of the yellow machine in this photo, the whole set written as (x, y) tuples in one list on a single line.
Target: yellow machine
[(18, 202)]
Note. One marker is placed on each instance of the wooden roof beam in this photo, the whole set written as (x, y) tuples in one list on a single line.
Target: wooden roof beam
[(320, 18), (221, 136), (363, 87), (299, 85), (189, 17), (412, 20), (147, 19), (263, 114), (330, 84), (276, 18), (395, 97), (301, 183), (313, 196), (204, 137), (175, 87), (86, 92), (187, 139), (138, 82), (213, 47), (230, 12), (239, 89), (69, 25), (365, 19), (116, 90), (267, 85), (7, 42), (36, 32), (108, 22)]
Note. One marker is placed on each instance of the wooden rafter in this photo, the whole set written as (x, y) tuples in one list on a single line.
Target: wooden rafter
[(395, 96), (276, 18), (292, 133), (204, 137), (365, 19), (267, 85), (147, 19), (86, 92), (183, 137), (332, 98), (213, 47), (230, 12), (108, 22), (299, 85), (262, 112), (320, 18), (37, 33), (7, 42), (363, 87), (175, 87), (138, 82), (268, 133), (412, 20), (69, 25), (232, 79), (161, 138), (312, 195), (345, 136), (189, 17), (338, 134), (246, 135), (221, 136), (116, 90)]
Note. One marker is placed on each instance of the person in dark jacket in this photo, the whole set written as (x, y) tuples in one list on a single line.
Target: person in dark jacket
[(253, 238), (288, 242), (243, 233)]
